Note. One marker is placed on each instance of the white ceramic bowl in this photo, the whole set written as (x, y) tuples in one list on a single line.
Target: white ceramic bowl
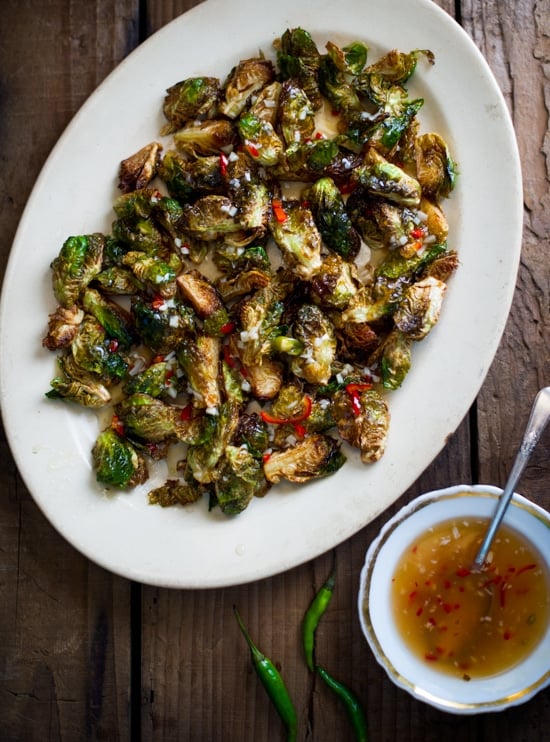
[(454, 695)]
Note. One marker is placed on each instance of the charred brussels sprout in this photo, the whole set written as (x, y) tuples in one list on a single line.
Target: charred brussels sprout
[(296, 234), (315, 331), (396, 359), (116, 321), (246, 79), (205, 137), (63, 325), (420, 308), (116, 461), (349, 59), (335, 87), (299, 58), (149, 419), (435, 168), (174, 492), (79, 261), (363, 417), (138, 170), (83, 389), (162, 324), (199, 358), (203, 459), (192, 99), (382, 178), (93, 352), (260, 139), (252, 432), (240, 478), (296, 114), (332, 220), (318, 455), (336, 283)]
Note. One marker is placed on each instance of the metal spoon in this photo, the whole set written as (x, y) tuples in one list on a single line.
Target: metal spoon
[(540, 414)]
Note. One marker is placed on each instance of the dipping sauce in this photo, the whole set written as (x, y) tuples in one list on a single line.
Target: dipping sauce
[(466, 624)]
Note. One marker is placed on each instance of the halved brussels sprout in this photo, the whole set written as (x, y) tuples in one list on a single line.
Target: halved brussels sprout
[(296, 234), (260, 139), (240, 478), (316, 333), (63, 325), (332, 220), (296, 115), (298, 58), (363, 418), (435, 168), (199, 358), (245, 79), (420, 307), (205, 137), (138, 170), (317, 455), (382, 178)]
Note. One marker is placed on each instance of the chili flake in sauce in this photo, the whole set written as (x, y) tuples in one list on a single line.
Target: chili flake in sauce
[(465, 623)]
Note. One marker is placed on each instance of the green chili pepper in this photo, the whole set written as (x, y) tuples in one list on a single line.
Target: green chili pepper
[(353, 707), (273, 683), (313, 614)]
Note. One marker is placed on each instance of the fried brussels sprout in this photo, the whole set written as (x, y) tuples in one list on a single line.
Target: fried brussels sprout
[(396, 67), (157, 274), (84, 390), (203, 459), (116, 321), (63, 325), (205, 137), (246, 79), (265, 378), (259, 318), (175, 492), (193, 99), (253, 433), (295, 232), (118, 281), (240, 478), (79, 261), (157, 380), (350, 59), (334, 286), (308, 161), (435, 168), (317, 455), (138, 170), (395, 361), (316, 333), (116, 461), (363, 417), (205, 299), (296, 116), (419, 310), (332, 219), (211, 217), (298, 58), (93, 352), (161, 324), (260, 139), (199, 358), (382, 178), (150, 419), (334, 86)]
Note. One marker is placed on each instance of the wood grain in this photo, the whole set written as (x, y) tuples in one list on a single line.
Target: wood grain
[(86, 655)]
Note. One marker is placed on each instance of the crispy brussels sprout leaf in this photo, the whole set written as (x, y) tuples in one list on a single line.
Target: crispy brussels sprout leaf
[(174, 492)]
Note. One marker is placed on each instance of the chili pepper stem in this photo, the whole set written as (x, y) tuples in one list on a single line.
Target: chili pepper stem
[(272, 682)]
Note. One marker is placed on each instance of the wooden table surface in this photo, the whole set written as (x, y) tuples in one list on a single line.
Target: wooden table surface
[(86, 655)]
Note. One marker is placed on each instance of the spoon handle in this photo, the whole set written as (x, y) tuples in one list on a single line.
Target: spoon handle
[(540, 414)]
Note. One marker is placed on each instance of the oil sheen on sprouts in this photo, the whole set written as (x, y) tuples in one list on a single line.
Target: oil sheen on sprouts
[(272, 262), (467, 624)]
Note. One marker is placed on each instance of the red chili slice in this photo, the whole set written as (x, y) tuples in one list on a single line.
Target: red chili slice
[(266, 417)]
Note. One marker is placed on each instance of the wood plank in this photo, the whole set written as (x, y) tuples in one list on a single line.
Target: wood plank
[(65, 655), (513, 36)]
